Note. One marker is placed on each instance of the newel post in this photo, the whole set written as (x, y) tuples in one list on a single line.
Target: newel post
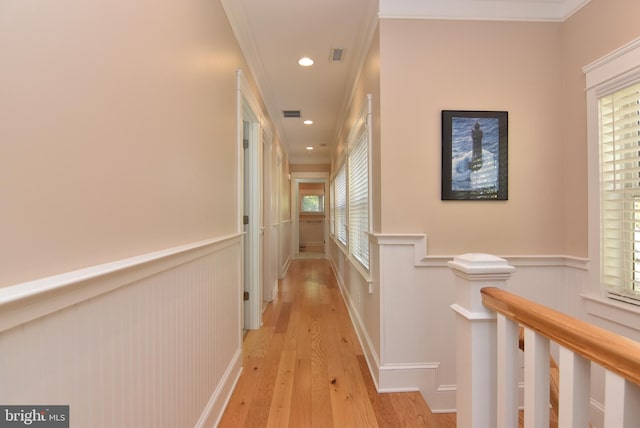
[(476, 337)]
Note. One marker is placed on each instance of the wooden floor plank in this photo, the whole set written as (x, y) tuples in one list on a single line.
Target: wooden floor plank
[(300, 415), (256, 342), (407, 407), (235, 414), (282, 323), (282, 392), (381, 403), (305, 367), (301, 408), (320, 392), (340, 394)]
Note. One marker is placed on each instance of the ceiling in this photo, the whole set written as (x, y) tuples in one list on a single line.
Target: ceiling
[(274, 34)]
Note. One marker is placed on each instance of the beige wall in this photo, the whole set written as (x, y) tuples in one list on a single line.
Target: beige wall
[(117, 123), (368, 83), (364, 305), (429, 66), (532, 70), (597, 29)]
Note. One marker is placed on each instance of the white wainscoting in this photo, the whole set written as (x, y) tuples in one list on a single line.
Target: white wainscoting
[(151, 341), (417, 325), (286, 247)]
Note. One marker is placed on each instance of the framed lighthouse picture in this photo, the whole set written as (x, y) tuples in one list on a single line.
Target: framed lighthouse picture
[(474, 155)]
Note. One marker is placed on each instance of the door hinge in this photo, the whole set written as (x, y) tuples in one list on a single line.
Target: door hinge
[(245, 143), (245, 219), (245, 296)]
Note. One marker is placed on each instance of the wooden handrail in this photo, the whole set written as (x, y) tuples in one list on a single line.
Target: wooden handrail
[(615, 353)]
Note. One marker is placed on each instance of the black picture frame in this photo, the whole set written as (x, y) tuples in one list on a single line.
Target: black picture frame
[(475, 155)]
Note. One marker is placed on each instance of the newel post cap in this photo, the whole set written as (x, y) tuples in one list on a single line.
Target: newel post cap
[(471, 264)]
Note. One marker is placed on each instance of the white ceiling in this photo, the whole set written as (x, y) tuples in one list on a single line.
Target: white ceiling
[(274, 34)]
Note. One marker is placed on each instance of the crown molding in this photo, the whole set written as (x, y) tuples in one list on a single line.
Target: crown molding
[(488, 10)]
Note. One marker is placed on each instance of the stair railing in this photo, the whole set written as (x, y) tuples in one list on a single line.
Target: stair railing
[(487, 370)]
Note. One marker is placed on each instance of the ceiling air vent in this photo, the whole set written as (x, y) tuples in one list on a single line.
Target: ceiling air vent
[(336, 55), (291, 113)]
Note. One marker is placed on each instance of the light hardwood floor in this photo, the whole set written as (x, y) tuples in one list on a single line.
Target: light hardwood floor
[(305, 367)]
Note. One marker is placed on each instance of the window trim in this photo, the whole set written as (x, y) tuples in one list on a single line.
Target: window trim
[(614, 71)]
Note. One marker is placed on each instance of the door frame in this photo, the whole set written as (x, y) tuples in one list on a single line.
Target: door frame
[(250, 178), (308, 177)]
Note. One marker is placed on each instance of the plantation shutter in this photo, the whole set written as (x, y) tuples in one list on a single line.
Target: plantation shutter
[(359, 200), (619, 114)]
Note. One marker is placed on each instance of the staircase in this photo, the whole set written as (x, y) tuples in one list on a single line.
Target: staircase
[(488, 324)]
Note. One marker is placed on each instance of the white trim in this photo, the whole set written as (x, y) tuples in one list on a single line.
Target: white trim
[(473, 316), (421, 259), (486, 10), (370, 354), (619, 313), (214, 410), (613, 65), (249, 110), (40, 286), (411, 377), (410, 366), (605, 75), (307, 177)]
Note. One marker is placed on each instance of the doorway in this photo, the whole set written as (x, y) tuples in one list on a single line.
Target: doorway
[(310, 200), (311, 218)]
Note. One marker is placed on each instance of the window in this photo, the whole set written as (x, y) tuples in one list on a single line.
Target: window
[(341, 205), (613, 112), (619, 120), (312, 204), (332, 207), (350, 201), (359, 197)]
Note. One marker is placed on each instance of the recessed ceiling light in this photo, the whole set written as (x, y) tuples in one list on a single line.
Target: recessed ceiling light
[(308, 122), (309, 147), (305, 62)]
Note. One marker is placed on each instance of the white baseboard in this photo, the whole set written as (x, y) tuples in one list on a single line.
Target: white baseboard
[(274, 291), (285, 268), (422, 377), (220, 398), (370, 354)]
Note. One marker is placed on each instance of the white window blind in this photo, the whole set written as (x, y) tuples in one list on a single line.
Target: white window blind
[(332, 207), (619, 132), (359, 199), (341, 205)]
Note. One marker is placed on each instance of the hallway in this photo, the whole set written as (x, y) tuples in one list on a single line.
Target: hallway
[(304, 367)]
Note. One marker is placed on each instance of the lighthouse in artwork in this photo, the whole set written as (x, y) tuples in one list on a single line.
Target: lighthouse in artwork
[(476, 168)]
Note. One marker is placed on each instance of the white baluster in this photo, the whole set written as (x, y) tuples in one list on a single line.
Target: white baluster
[(536, 380), (621, 402), (575, 384), (507, 372)]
